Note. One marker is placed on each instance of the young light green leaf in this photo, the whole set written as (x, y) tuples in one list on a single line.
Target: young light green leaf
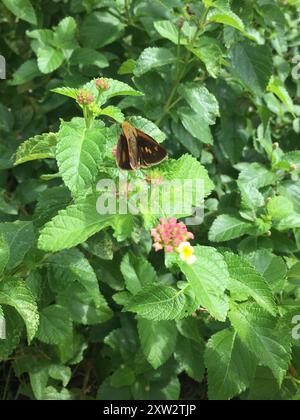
[(49, 59), (227, 17), (77, 223), (201, 101), (137, 272), (39, 147), (157, 303), (169, 30), (23, 9), (152, 58), (227, 227), (78, 154), (247, 281), (209, 278)]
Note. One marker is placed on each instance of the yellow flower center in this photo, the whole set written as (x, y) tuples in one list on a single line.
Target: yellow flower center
[(187, 251)]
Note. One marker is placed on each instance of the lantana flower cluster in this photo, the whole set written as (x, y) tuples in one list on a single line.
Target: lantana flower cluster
[(173, 236), (85, 98)]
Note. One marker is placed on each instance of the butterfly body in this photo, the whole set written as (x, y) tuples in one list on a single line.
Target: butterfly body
[(137, 150)]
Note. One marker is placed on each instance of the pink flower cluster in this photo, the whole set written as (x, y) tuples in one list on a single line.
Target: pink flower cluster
[(169, 234), (85, 98)]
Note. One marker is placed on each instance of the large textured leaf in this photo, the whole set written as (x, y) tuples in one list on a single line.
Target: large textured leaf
[(137, 272), (71, 265), (196, 125), (158, 303), (169, 30), (245, 279), (189, 353), (231, 366), (55, 325), (15, 293), (262, 334), (152, 58), (158, 340), (22, 9), (100, 29), (20, 237), (227, 227), (209, 278), (39, 147), (201, 101), (253, 66), (227, 17), (78, 154), (4, 254), (77, 223), (49, 59)]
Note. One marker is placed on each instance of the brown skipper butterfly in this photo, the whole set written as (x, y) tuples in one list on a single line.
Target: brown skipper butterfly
[(137, 150)]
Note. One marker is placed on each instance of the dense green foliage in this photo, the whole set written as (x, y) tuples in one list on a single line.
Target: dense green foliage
[(91, 311)]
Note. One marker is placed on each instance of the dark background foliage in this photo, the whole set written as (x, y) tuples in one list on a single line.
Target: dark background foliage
[(220, 79)]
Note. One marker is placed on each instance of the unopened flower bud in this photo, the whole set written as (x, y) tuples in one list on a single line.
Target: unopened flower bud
[(102, 84), (293, 167), (180, 23), (275, 146), (85, 98)]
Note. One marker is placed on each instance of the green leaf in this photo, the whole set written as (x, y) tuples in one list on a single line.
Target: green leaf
[(78, 154), (55, 325), (260, 332), (157, 303), (209, 51), (271, 267), (208, 277), (11, 330), (231, 366), (169, 30), (196, 125), (158, 340), (15, 293), (189, 354), (227, 227), (76, 224), (71, 265), (81, 307), (201, 101), (127, 67), (187, 167), (246, 280), (257, 175), (280, 207), (152, 58), (137, 272), (25, 73), (20, 237), (22, 9), (67, 91), (227, 17), (89, 57), (147, 127), (65, 34), (49, 59), (277, 87), (113, 112), (100, 29), (253, 66), (124, 376), (4, 254), (39, 147)]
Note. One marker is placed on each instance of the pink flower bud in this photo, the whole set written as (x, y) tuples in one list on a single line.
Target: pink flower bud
[(102, 84)]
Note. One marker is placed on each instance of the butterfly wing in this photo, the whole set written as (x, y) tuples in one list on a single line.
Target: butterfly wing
[(122, 157), (150, 152)]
